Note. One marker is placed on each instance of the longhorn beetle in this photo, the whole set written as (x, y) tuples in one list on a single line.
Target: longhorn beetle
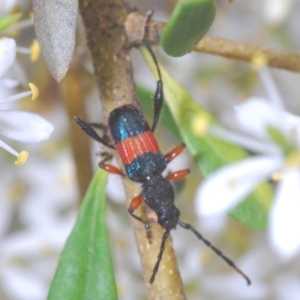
[(136, 145)]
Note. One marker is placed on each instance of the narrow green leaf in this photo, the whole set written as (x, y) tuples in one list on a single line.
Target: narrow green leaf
[(85, 270), (188, 23), (211, 153), (7, 21)]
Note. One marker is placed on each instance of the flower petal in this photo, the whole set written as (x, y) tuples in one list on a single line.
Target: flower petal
[(244, 141), (229, 185), (276, 11), (7, 54), (8, 83), (274, 96), (285, 216), (255, 115), (24, 126), (7, 6)]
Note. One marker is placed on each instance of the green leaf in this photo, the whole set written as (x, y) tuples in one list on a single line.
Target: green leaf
[(9, 20), (211, 153), (280, 139), (85, 269), (188, 23)]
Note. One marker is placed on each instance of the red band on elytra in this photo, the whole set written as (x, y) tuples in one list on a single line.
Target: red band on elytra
[(135, 146)]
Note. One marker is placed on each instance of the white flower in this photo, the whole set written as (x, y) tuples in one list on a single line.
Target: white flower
[(29, 252), (265, 128), (17, 125), (276, 11)]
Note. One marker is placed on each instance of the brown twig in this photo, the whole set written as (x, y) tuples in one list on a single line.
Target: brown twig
[(237, 50), (104, 21), (135, 29), (215, 45)]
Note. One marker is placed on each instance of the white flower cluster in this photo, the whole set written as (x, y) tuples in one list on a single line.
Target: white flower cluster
[(263, 126), (18, 125)]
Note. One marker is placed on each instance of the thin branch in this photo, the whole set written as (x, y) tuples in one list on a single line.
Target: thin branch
[(134, 27), (237, 50), (214, 45)]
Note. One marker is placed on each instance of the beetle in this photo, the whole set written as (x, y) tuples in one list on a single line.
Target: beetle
[(134, 141)]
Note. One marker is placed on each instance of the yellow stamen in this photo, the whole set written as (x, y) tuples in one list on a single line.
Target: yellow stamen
[(232, 183), (293, 159), (277, 176), (35, 49), (34, 90), (22, 158), (259, 59), (200, 125)]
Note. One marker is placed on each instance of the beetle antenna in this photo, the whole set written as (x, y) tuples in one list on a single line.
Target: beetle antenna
[(159, 95), (153, 57), (159, 257), (216, 250), (146, 42)]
